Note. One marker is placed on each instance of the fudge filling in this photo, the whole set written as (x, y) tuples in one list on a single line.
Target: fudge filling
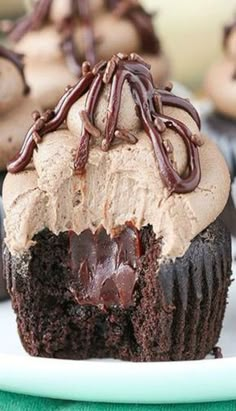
[(104, 269)]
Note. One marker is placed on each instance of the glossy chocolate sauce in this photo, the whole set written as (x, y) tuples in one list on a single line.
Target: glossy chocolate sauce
[(104, 269), (17, 60), (79, 9), (149, 104)]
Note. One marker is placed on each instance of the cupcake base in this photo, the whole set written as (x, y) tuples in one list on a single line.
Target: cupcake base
[(176, 314)]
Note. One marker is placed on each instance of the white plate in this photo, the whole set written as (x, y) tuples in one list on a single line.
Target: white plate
[(115, 381)]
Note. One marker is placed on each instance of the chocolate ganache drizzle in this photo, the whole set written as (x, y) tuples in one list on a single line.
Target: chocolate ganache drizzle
[(149, 104), (17, 60), (79, 9)]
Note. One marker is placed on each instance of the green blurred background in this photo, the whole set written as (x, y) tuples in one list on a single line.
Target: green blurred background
[(191, 32)]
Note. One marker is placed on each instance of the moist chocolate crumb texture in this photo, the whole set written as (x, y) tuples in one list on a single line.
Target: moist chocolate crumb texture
[(15, 106), (58, 35), (114, 247)]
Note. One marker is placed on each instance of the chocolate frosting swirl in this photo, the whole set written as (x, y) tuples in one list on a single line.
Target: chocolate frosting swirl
[(149, 108), (129, 9), (17, 60)]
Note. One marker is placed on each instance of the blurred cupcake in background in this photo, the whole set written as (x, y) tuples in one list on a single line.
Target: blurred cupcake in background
[(220, 87), (16, 105), (189, 37), (58, 35), (11, 8), (219, 121)]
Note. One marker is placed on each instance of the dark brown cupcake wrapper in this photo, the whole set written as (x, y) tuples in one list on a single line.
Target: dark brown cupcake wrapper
[(186, 313), (200, 281)]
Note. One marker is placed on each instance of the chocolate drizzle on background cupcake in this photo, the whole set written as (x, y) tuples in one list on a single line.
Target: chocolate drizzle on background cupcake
[(80, 9), (15, 105), (17, 60), (149, 104)]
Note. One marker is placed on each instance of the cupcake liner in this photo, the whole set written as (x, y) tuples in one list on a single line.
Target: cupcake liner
[(177, 311), (199, 282)]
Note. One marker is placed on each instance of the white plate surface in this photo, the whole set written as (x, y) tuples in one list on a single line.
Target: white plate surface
[(115, 381)]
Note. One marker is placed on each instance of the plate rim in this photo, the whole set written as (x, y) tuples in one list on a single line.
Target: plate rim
[(158, 377)]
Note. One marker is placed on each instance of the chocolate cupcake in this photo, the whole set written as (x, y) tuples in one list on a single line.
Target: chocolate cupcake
[(15, 106), (58, 35), (114, 247)]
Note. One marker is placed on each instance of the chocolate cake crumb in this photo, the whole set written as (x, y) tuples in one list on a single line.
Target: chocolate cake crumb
[(176, 312), (217, 352)]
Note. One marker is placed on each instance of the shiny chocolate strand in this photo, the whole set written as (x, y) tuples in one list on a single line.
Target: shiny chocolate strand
[(170, 99), (149, 109), (173, 181), (91, 103), (23, 158), (32, 21), (142, 88)]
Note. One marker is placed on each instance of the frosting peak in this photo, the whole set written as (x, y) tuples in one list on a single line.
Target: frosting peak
[(149, 109)]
